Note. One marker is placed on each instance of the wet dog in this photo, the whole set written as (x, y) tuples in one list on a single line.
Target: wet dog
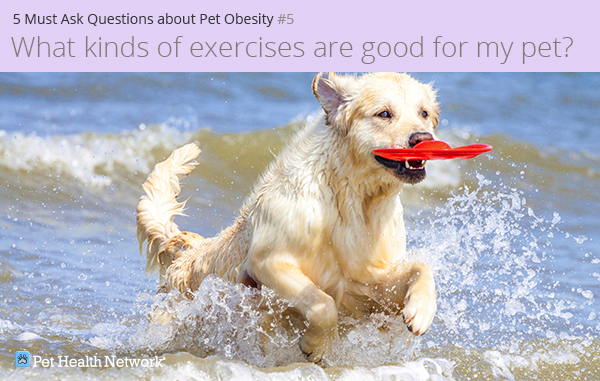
[(324, 225)]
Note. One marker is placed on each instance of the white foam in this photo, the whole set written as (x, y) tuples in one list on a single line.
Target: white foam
[(504, 365), (88, 157), (441, 174), (28, 336)]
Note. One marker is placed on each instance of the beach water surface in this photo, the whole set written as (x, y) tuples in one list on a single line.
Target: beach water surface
[(512, 235)]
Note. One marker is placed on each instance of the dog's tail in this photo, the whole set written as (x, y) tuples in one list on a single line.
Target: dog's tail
[(158, 207)]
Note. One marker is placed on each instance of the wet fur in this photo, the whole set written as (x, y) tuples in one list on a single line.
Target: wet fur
[(324, 225)]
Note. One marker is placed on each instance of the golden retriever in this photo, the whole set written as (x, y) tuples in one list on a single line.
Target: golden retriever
[(324, 225)]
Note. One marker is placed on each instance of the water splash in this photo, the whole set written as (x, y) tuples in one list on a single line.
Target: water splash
[(495, 267), (502, 310), (237, 323)]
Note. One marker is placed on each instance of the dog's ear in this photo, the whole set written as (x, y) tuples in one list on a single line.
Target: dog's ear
[(326, 88)]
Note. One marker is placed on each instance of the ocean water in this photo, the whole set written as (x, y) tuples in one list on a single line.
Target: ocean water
[(512, 236)]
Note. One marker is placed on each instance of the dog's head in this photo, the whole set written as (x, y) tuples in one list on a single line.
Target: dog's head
[(380, 110)]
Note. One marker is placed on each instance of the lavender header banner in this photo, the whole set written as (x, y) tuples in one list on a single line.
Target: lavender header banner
[(301, 36)]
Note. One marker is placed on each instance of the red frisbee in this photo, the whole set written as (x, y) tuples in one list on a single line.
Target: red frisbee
[(433, 150)]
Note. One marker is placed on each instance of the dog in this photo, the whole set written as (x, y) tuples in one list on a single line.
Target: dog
[(324, 225)]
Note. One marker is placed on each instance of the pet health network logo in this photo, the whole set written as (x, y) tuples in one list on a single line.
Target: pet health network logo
[(22, 359)]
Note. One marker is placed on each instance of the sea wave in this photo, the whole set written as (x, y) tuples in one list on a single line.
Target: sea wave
[(100, 159), (231, 162), (91, 158)]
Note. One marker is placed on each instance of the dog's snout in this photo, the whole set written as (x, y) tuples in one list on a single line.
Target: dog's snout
[(418, 137)]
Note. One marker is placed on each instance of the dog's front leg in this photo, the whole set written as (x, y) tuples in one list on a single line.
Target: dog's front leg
[(420, 300), (412, 293), (315, 306)]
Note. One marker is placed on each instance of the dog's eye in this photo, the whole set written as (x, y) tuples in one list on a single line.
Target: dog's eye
[(385, 114), (424, 114)]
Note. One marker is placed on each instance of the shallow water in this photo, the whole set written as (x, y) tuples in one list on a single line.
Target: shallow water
[(512, 236)]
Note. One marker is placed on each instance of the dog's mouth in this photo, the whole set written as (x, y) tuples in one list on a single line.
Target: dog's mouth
[(408, 171)]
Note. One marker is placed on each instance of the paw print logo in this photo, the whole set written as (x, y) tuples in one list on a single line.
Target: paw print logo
[(22, 359)]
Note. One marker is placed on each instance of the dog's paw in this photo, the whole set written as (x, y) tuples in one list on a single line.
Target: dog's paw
[(314, 357), (313, 353), (419, 308), (314, 343)]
